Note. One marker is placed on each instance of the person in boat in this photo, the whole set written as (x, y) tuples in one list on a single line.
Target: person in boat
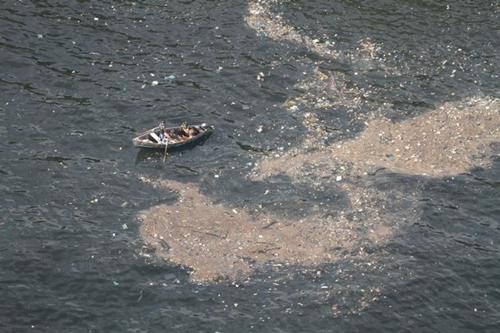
[(162, 130), (188, 132), (164, 134), (184, 131)]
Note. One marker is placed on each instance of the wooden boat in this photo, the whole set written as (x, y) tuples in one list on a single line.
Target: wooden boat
[(172, 137)]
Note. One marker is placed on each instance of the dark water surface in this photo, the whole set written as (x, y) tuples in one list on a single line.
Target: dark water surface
[(76, 80)]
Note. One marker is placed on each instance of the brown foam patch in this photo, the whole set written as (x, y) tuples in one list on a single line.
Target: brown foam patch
[(446, 141), (219, 242)]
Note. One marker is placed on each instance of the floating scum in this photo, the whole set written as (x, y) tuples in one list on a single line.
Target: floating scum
[(446, 141), (220, 242)]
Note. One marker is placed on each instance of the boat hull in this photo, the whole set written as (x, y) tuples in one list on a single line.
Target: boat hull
[(145, 141)]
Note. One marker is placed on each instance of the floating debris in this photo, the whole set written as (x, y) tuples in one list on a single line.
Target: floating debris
[(216, 241), (448, 140), (261, 18)]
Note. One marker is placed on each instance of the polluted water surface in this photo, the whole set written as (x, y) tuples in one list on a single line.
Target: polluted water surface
[(352, 180)]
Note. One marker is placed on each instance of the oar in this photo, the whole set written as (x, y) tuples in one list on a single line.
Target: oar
[(165, 153)]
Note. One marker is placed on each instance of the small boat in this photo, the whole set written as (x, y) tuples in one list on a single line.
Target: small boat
[(172, 137)]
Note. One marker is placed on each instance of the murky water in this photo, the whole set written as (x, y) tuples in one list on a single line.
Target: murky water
[(390, 245)]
